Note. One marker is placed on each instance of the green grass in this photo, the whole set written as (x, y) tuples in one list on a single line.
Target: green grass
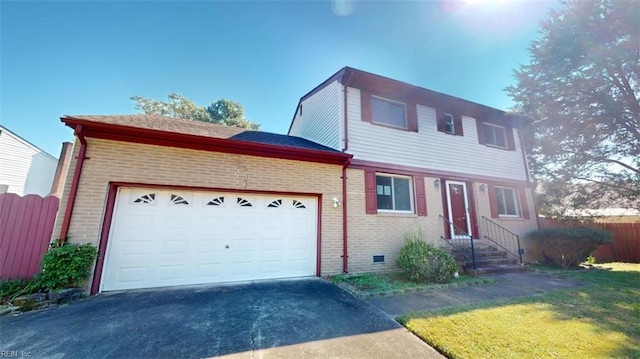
[(597, 321), (382, 282)]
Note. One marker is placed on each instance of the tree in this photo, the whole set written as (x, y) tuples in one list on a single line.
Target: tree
[(222, 112), (581, 89)]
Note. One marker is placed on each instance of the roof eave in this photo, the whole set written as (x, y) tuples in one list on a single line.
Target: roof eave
[(204, 143)]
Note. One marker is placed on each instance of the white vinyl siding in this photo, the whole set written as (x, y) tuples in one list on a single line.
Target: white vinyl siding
[(321, 117), (24, 168), (429, 148)]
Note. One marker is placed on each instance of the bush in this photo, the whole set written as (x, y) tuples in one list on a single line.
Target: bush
[(66, 265), (568, 247), (422, 262)]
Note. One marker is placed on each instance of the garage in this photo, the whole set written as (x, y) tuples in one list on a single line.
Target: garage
[(170, 237)]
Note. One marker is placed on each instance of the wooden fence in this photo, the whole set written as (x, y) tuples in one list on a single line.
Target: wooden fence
[(625, 246), (26, 225)]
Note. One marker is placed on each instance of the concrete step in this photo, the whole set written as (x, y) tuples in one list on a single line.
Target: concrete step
[(480, 255)]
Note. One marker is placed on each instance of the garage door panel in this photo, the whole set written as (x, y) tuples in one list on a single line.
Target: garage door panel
[(164, 238)]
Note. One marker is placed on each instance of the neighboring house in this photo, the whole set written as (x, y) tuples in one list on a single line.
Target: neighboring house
[(24, 168), (420, 159), (175, 202)]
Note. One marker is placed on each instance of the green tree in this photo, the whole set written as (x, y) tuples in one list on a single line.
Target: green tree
[(581, 88), (222, 112)]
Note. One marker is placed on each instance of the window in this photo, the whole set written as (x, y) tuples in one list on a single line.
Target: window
[(449, 124), (495, 135), (388, 112), (394, 193), (507, 199)]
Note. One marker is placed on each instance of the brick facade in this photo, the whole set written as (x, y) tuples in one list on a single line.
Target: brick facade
[(383, 233), (115, 161)]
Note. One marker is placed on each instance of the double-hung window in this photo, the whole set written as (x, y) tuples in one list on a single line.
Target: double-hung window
[(394, 193), (449, 124), (495, 135), (388, 112), (507, 199)]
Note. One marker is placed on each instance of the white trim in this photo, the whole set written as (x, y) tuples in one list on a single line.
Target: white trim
[(468, 213)]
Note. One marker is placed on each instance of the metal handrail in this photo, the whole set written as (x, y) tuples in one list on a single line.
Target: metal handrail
[(458, 229), (497, 231)]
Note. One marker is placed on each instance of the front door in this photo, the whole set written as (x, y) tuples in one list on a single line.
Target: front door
[(458, 204)]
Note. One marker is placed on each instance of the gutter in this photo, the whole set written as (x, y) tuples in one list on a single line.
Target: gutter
[(66, 221)]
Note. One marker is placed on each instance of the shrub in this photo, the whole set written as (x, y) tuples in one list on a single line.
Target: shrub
[(568, 247), (423, 262), (66, 265)]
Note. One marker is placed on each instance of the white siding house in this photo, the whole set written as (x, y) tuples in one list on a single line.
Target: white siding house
[(24, 168), (319, 117)]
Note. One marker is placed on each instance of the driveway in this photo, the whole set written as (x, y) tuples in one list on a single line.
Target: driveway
[(285, 319)]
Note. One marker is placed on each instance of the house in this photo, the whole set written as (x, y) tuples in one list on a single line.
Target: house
[(173, 202), (24, 168), (423, 159)]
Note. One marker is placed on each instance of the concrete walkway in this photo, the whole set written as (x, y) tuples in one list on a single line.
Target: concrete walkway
[(507, 286)]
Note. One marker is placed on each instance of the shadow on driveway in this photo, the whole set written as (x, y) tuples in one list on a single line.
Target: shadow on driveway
[(212, 321)]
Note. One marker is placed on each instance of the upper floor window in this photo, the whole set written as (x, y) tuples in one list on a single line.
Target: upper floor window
[(449, 124), (394, 193), (387, 112), (495, 135), (507, 199)]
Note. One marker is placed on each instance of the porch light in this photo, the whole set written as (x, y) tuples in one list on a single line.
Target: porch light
[(336, 202), (436, 183), (483, 187)]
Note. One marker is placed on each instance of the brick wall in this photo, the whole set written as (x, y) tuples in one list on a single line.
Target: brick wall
[(128, 162), (383, 233)]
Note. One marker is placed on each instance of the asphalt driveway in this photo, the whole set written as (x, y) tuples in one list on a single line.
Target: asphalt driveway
[(288, 319)]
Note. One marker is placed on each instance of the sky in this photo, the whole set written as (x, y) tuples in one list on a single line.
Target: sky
[(89, 57)]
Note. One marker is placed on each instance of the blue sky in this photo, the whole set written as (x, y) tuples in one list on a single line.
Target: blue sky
[(89, 57)]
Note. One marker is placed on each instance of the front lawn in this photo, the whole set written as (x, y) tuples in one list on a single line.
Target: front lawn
[(597, 321)]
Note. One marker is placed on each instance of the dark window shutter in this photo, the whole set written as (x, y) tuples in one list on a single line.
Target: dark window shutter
[(524, 206), (421, 198), (440, 120), (510, 141), (370, 192), (365, 105), (412, 117), (493, 201), (457, 124), (480, 128)]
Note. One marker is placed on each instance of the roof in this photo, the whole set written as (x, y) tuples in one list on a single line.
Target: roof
[(199, 128), (176, 132)]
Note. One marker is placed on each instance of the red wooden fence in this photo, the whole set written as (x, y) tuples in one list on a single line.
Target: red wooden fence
[(626, 242), (26, 225)]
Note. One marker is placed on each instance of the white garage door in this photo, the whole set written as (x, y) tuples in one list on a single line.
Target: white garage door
[(162, 238)]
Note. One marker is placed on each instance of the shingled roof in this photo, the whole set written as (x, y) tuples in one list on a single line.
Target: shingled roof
[(198, 128)]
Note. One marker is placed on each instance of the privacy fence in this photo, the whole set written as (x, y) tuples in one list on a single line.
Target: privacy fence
[(26, 225), (625, 246)]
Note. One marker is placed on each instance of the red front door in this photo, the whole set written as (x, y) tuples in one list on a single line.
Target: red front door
[(458, 203)]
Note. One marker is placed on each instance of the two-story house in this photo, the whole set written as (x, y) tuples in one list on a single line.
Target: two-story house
[(454, 168), (172, 202)]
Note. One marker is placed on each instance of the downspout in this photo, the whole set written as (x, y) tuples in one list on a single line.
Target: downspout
[(345, 251), (66, 221), (345, 242)]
